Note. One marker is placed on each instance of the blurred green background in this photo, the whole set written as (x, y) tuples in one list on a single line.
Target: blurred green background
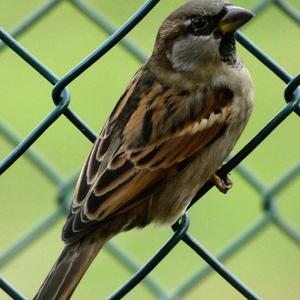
[(269, 264)]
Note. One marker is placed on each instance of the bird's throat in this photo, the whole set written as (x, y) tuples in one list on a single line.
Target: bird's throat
[(227, 49)]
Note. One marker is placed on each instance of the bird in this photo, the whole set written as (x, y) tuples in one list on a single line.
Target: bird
[(169, 133)]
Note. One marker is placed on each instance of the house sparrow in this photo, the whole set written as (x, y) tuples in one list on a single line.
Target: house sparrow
[(171, 130)]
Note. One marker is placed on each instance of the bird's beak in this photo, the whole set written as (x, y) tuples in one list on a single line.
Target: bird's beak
[(234, 18)]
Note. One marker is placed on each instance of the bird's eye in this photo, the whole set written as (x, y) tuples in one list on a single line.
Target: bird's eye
[(199, 24)]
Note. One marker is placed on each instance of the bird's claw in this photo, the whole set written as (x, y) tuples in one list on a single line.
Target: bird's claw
[(223, 184)]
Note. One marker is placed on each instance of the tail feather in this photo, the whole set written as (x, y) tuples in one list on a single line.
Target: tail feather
[(69, 269)]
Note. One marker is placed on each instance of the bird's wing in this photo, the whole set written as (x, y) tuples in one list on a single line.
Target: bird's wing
[(151, 131)]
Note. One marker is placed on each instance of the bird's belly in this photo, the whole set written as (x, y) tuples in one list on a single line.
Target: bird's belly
[(178, 192)]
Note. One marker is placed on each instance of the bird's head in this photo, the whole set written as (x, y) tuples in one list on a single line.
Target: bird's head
[(199, 34)]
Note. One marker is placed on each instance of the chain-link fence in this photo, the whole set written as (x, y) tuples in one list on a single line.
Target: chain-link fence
[(61, 98)]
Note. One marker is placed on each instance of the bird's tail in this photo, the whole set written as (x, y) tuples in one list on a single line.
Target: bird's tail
[(69, 269)]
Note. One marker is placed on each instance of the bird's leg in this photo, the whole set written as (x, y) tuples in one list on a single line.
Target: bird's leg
[(223, 184)]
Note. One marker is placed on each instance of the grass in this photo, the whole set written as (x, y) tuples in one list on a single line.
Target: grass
[(269, 264)]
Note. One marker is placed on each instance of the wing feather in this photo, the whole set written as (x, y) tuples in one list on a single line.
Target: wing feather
[(148, 134)]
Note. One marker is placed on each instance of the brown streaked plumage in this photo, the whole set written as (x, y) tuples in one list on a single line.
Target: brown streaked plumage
[(178, 120)]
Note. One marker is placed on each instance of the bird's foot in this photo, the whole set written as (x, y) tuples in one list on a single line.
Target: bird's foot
[(223, 184)]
